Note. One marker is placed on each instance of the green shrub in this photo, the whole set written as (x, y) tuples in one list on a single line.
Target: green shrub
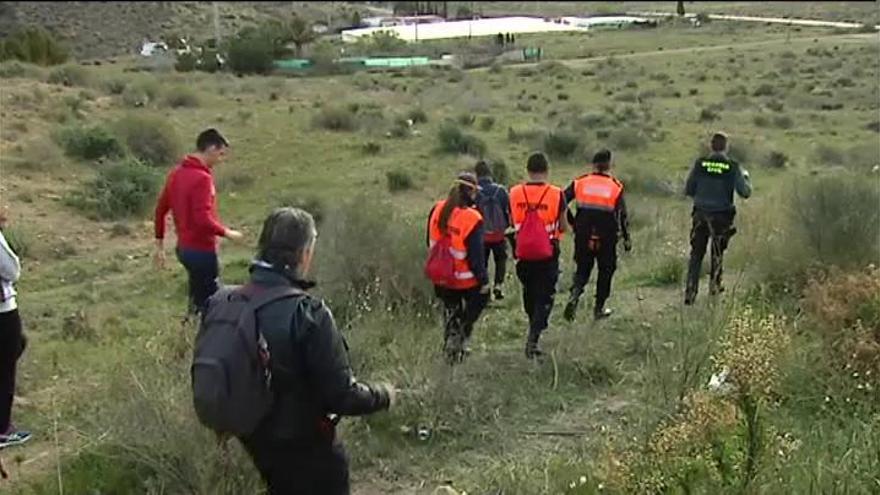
[(453, 140), (149, 139), (186, 62), (399, 180), (123, 189), (181, 97), (487, 122), (827, 154), (667, 271), (251, 53), (33, 45), (89, 142), (783, 122), (563, 144), (417, 115), (466, 119), (836, 218), (761, 120), (335, 118), (709, 114), (19, 239), (372, 148), (114, 86), (593, 120), (15, 68), (776, 159), (627, 139), (765, 90), (69, 75), (141, 93), (500, 172)]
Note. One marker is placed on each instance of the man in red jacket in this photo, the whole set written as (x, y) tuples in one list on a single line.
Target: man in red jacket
[(190, 196)]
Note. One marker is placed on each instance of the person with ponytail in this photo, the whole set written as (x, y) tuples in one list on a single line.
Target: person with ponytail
[(456, 221)]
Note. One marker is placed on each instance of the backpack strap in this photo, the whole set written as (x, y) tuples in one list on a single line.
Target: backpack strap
[(248, 318), (529, 206)]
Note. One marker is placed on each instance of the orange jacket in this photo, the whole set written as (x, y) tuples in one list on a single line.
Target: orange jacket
[(597, 192), (551, 205), (461, 223)]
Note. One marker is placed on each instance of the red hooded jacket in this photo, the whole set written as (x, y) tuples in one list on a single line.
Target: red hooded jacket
[(190, 196)]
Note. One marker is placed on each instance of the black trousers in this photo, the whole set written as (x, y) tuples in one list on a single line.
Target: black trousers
[(461, 309), (293, 469), (538, 279), (586, 256), (12, 344), (717, 227), (203, 271), (499, 253)]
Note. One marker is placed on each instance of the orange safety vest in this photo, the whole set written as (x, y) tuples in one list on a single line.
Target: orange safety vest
[(461, 223), (597, 192), (524, 195)]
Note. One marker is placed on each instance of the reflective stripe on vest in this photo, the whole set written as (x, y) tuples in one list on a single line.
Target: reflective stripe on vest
[(548, 209), (597, 192), (461, 223)]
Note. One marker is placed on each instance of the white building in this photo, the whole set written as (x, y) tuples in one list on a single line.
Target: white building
[(463, 29)]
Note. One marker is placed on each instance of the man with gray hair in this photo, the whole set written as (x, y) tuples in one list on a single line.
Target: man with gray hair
[(295, 446)]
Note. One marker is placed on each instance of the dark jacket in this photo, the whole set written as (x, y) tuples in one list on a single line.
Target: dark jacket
[(475, 249), (605, 223), (491, 189), (311, 374), (713, 180)]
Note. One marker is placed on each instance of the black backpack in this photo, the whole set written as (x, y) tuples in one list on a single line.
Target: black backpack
[(231, 373)]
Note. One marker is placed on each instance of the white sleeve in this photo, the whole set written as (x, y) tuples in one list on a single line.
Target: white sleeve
[(10, 267)]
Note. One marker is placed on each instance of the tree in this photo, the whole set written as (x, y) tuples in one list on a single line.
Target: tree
[(356, 19), (301, 33), (680, 8)]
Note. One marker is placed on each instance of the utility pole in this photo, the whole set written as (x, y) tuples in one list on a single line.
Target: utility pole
[(216, 23)]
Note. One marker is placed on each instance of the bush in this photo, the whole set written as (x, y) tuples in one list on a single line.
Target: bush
[(487, 122), (761, 120), (399, 180), (115, 86), (372, 148), (776, 159), (562, 144), (89, 142), (667, 271), (125, 188), (765, 90), (251, 53), (336, 118), (39, 154), (69, 75), (709, 114), (453, 140), (33, 45), (466, 119), (627, 139), (835, 217), (783, 122), (186, 62), (15, 68), (150, 140), (141, 93), (181, 97), (417, 115), (827, 154)]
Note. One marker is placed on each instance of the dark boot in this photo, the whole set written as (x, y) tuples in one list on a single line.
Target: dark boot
[(571, 307), (533, 350), (600, 312)]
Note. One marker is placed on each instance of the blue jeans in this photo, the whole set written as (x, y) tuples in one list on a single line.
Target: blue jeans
[(203, 270)]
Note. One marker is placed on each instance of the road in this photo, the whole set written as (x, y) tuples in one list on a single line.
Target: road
[(770, 20)]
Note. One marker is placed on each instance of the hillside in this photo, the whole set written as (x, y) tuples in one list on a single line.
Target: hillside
[(105, 29), (617, 407)]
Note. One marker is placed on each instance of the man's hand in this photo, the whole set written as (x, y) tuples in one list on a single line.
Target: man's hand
[(627, 245), (233, 235), (159, 255)]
